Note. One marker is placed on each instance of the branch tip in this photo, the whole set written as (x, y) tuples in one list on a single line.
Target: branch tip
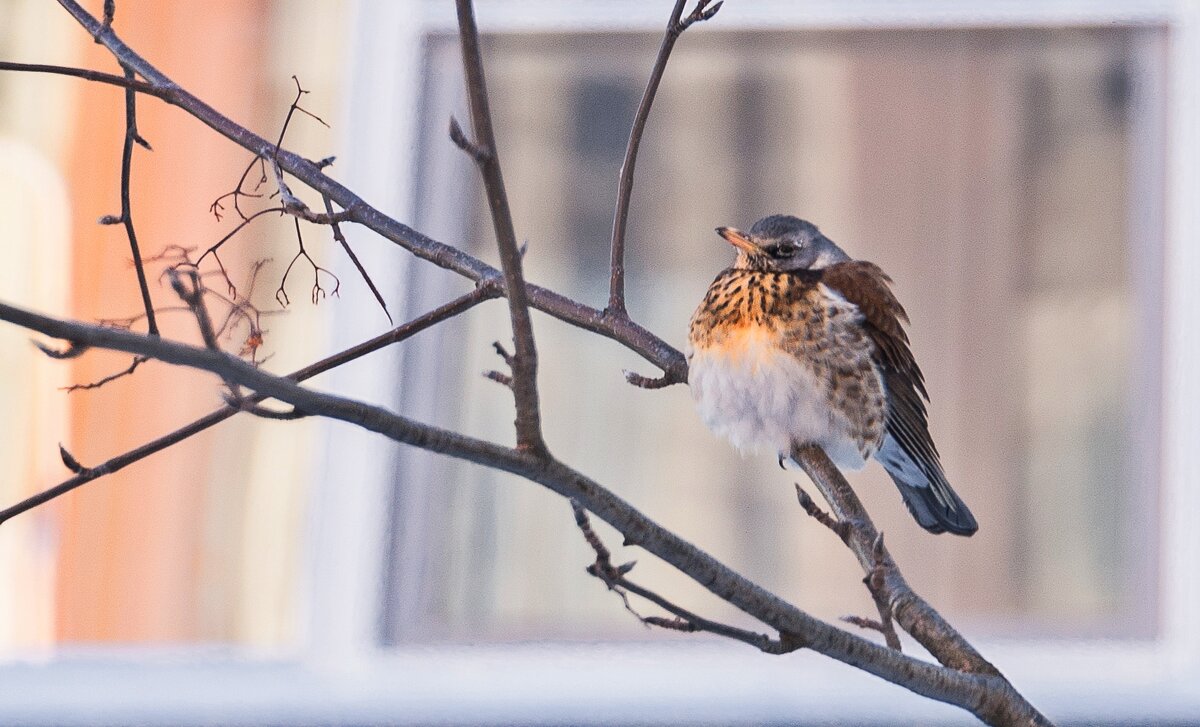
[(69, 460), (74, 349), (502, 352), (133, 365), (701, 13), (341, 240), (500, 378), (479, 153), (840, 528)]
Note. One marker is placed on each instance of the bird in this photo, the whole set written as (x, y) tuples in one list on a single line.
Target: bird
[(797, 343)]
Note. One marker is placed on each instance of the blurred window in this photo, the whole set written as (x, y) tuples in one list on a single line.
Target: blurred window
[(997, 175)]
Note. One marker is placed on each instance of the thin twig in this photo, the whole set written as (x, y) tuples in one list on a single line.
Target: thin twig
[(127, 371), (449, 310), (840, 529), (647, 382), (318, 291), (191, 292), (84, 73), (524, 364), (618, 328), (73, 350), (912, 612), (615, 578), (499, 377), (675, 27), (602, 568), (132, 137), (459, 137), (988, 696), (341, 240), (69, 460), (694, 623), (212, 250)]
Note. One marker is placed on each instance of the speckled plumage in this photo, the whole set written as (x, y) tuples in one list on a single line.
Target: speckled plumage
[(778, 356), (799, 344)]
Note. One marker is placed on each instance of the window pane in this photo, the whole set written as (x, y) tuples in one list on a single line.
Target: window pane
[(988, 171)]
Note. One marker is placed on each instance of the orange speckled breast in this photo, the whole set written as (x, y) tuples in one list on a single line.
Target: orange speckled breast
[(777, 358)]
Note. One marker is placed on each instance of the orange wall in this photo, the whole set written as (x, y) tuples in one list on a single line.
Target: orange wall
[(130, 543)]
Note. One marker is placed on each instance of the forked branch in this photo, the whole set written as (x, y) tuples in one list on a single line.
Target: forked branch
[(400, 333), (487, 158), (912, 612), (676, 24), (986, 695), (964, 682), (684, 620), (620, 329)]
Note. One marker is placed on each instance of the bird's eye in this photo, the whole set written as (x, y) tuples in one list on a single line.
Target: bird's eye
[(782, 250)]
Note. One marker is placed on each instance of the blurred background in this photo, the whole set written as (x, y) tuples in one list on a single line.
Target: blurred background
[(1023, 170)]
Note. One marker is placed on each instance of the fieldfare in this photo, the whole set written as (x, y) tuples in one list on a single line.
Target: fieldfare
[(799, 344)]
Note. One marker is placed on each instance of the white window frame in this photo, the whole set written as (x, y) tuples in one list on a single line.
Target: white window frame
[(339, 675)]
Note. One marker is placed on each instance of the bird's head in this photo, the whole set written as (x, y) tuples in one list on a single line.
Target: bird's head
[(782, 242)]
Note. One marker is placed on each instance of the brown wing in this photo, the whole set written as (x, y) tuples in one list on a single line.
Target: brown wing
[(910, 457)]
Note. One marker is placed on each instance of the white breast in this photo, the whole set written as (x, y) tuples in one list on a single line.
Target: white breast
[(762, 398)]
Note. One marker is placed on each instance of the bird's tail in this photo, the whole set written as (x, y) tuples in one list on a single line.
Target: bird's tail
[(926, 492)]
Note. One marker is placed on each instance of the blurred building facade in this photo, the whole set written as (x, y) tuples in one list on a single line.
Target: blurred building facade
[(1017, 170)]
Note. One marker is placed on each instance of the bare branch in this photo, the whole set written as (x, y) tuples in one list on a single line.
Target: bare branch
[(400, 333), (235, 399), (988, 695), (602, 567), (318, 291), (913, 614), (615, 578), (501, 378), (874, 578), (97, 76), (524, 363), (617, 328), (675, 26), (132, 137), (341, 240), (502, 352), (187, 286), (985, 693), (127, 371)]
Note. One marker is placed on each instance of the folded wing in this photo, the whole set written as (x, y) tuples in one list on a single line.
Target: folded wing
[(907, 451)]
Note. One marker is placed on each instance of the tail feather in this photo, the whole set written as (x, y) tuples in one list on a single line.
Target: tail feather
[(929, 497)]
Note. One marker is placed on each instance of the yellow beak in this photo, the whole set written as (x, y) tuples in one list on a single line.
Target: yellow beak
[(738, 239)]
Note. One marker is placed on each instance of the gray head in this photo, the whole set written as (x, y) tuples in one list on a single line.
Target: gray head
[(783, 242)]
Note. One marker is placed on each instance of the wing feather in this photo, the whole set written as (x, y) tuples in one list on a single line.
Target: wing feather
[(913, 461)]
